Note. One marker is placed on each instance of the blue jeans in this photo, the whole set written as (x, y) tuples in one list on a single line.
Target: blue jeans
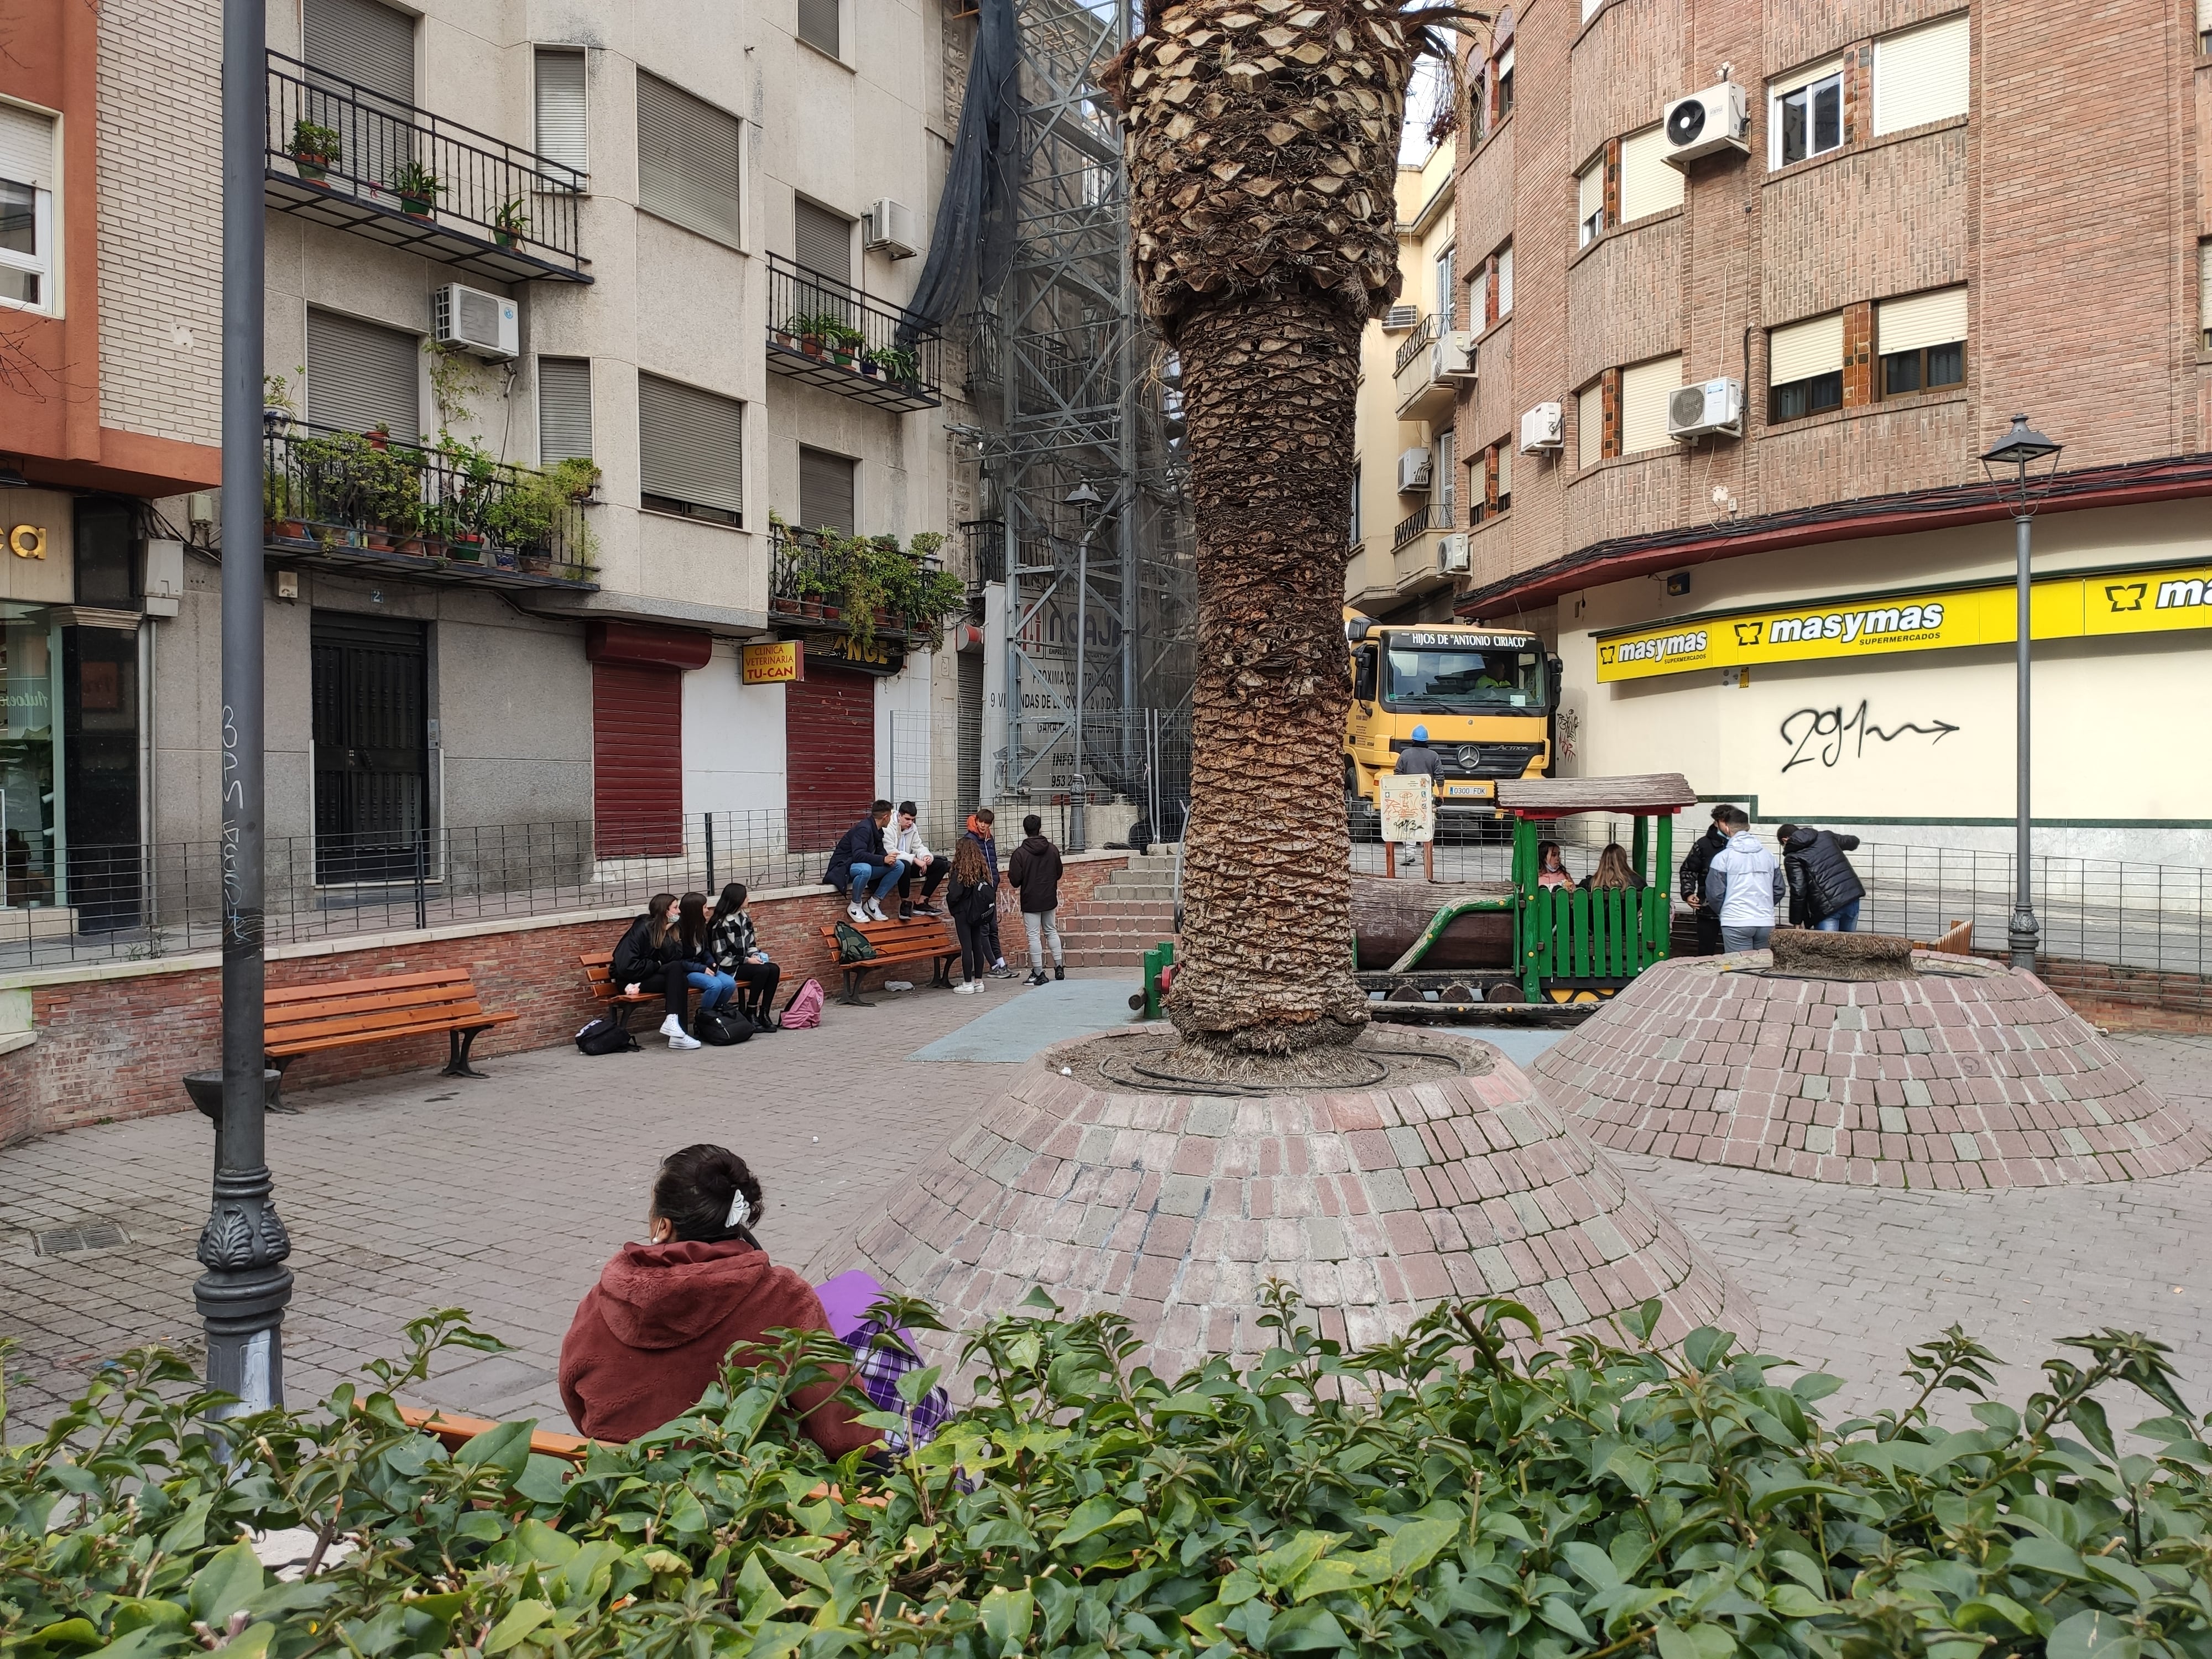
[(1845, 920), (714, 989), (885, 878)]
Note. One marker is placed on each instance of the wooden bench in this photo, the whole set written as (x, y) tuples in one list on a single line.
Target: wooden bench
[(898, 945), (600, 975), (346, 1013)]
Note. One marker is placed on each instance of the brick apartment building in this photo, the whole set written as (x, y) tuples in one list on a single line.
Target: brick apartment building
[(611, 219), (1929, 217)]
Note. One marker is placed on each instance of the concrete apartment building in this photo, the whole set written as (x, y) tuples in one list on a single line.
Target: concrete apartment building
[(500, 237), (1891, 225)]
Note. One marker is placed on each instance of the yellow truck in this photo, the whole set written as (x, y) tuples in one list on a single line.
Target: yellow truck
[(1486, 694)]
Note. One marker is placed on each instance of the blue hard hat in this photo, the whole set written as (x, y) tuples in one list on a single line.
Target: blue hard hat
[(1420, 735)]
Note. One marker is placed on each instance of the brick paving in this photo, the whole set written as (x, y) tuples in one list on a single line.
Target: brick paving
[(507, 1196)]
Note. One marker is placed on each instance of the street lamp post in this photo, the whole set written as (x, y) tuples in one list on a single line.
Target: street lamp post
[(1087, 500), (242, 1295), (2019, 450)]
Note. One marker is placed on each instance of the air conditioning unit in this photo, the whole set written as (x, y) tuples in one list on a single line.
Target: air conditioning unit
[(1399, 319), (1452, 357), (1699, 411), (475, 321), (1543, 428), (891, 229), (1412, 472), (1452, 557), (1716, 118)]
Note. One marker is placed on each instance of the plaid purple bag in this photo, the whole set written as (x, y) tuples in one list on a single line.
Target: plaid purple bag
[(881, 1356)]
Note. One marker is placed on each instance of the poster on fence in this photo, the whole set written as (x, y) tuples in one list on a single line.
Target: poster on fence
[(1409, 806)]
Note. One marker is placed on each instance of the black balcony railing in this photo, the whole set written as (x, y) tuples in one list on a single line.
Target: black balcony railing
[(342, 154), (829, 334), (984, 545), (814, 577), (441, 514), (1423, 337), (1431, 515)]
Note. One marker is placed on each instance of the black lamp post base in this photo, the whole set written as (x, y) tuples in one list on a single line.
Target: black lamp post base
[(244, 1312), (2021, 936)]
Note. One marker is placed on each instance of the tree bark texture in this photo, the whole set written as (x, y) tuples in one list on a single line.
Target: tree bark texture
[(1263, 144)]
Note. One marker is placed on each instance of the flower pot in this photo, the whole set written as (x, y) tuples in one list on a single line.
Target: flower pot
[(414, 547), (810, 344), (313, 168), (504, 238), (844, 359), (466, 550), (377, 540), (377, 440), (285, 530), (873, 371), (788, 341), (536, 564), (417, 206)]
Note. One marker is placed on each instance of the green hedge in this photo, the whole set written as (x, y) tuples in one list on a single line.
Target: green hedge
[(1431, 1496)]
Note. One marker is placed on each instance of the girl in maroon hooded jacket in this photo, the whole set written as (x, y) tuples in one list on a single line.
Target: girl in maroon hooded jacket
[(650, 1337)]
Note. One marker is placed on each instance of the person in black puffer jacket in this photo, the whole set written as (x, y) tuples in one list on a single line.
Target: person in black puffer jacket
[(1691, 884), (654, 956), (1824, 889)]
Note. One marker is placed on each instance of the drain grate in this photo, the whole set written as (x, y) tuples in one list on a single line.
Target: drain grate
[(85, 1236)]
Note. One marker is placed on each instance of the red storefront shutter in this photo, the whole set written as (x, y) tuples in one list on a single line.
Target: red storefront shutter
[(637, 742), (830, 752)]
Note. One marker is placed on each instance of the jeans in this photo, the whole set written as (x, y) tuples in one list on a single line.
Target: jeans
[(1042, 926), (1745, 939), (1845, 920), (933, 873), (1709, 931), (714, 989), (884, 877), (759, 979), (675, 982)]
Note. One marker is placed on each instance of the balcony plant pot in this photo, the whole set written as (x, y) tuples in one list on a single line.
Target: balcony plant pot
[(311, 167), (284, 530), (466, 549), (376, 540), (873, 371), (415, 547), (415, 207), (788, 341), (535, 564), (810, 344), (844, 359), (504, 238)]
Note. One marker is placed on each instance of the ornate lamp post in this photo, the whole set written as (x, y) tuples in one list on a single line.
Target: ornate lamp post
[(1086, 501), (2017, 452)]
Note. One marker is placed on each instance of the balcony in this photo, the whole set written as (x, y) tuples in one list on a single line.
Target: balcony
[(1414, 546), (821, 579), (374, 506), (340, 154), (1432, 360), (828, 334)]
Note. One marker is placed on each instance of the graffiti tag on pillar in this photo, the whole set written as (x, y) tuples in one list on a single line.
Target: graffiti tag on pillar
[(240, 931), (1826, 735)]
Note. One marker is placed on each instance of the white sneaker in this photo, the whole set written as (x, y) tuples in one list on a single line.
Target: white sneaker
[(875, 912), (967, 988), (680, 1041), (855, 911)]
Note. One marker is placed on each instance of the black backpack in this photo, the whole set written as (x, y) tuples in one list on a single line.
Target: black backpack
[(720, 1030), (604, 1037)]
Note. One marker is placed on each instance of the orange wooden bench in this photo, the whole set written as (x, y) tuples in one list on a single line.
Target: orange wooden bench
[(347, 1013), (600, 975), (898, 945)]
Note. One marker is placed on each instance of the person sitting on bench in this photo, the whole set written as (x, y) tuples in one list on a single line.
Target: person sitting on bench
[(648, 1340), (861, 861), (905, 843), (734, 949), (656, 955)]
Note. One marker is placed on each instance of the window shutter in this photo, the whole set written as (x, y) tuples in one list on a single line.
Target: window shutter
[(562, 132), (360, 375), (822, 241), (1804, 350), (1920, 320), (564, 408), (687, 160), (1505, 63), (825, 491), (691, 444), (359, 40), (1589, 424), (818, 24), (1447, 296), (2205, 278), (1920, 76), (1505, 470), (1590, 191), (26, 147), (1644, 391), (1647, 184), (1505, 273), (1783, 85), (1447, 446)]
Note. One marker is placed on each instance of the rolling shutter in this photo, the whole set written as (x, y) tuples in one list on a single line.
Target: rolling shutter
[(564, 408), (1920, 320), (1589, 192), (1505, 470), (359, 40), (1648, 184), (2204, 279), (26, 147), (818, 24), (1781, 85), (822, 241), (825, 491), (1644, 390), (687, 160), (637, 756), (690, 445), (1589, 424), (360, 375), (1804, 350), (1505, 280), (830, 753), (1920, 76), (562, 135)]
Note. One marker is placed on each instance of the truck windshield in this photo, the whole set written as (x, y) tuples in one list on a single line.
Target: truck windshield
[(1428, 680)]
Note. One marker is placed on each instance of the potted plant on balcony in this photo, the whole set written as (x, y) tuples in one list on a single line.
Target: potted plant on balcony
[(844, 345), (314, 150), (891, 363), (278, 522), (277, 410), (417, 188), (511, 224)]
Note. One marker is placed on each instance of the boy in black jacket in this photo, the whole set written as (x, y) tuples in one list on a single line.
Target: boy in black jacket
[(1692, 886), (1034, 871), (861, 858)]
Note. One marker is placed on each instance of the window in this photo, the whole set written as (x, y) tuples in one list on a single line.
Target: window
[(1505, 281), (1805, 368), (361, 375), (1589, 423), (1505, 99), (1920, 76), (363, 43), (1648, 184), (1806, 114), (2204, 26), (2205, 291), (26, 209), (1447, 443), (1504, 454), (818, 25), (1355, 504), (1644, 391), (690, 451), (1447, 292), (687, 160), (564, 408), (1591, 8), (1922, 341), (1589, 198), (825, 491), (561, 129), (822, 241)]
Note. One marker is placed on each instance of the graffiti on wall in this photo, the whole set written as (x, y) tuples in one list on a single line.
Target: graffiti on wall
[(1827, 735)]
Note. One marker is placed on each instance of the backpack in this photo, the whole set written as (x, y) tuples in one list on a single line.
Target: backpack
[(718, 1029), (853, 944), (805, 1008), (604, 1037)]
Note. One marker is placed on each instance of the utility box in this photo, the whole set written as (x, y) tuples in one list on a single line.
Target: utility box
[(161, 575)]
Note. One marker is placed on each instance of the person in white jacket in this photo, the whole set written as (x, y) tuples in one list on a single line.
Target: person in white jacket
[(1743, 884), (904, 840)]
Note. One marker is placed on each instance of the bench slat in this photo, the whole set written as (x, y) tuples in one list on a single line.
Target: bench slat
[(292, 1047), (400, 1019), (362, 987), (459, 998)]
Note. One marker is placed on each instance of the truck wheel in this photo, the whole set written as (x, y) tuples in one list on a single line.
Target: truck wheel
[(1363, 820)]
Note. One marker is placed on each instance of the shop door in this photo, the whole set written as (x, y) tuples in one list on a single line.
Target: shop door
[(830, 753), (371, 694), (637, 759)]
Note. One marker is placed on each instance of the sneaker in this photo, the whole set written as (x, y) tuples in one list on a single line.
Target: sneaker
[(906, 911), (1059, 972), (1038, 978), (680, 1041), (1002, 972), (967, 987), (671, 1027), (855, 911), (925, 909), (875, 912)]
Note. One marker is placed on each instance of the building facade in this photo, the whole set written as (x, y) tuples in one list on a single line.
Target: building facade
[(1739, 366), (588, 368)]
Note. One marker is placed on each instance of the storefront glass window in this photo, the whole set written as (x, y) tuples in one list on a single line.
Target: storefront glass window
[(28, 660)]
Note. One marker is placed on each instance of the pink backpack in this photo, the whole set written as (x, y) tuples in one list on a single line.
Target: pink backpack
[(804, 1009)]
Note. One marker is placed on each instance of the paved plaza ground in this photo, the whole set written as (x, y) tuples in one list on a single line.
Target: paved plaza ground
[(506, 1196)]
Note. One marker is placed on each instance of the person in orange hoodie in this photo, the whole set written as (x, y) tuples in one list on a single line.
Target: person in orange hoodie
[(650, 1337)]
